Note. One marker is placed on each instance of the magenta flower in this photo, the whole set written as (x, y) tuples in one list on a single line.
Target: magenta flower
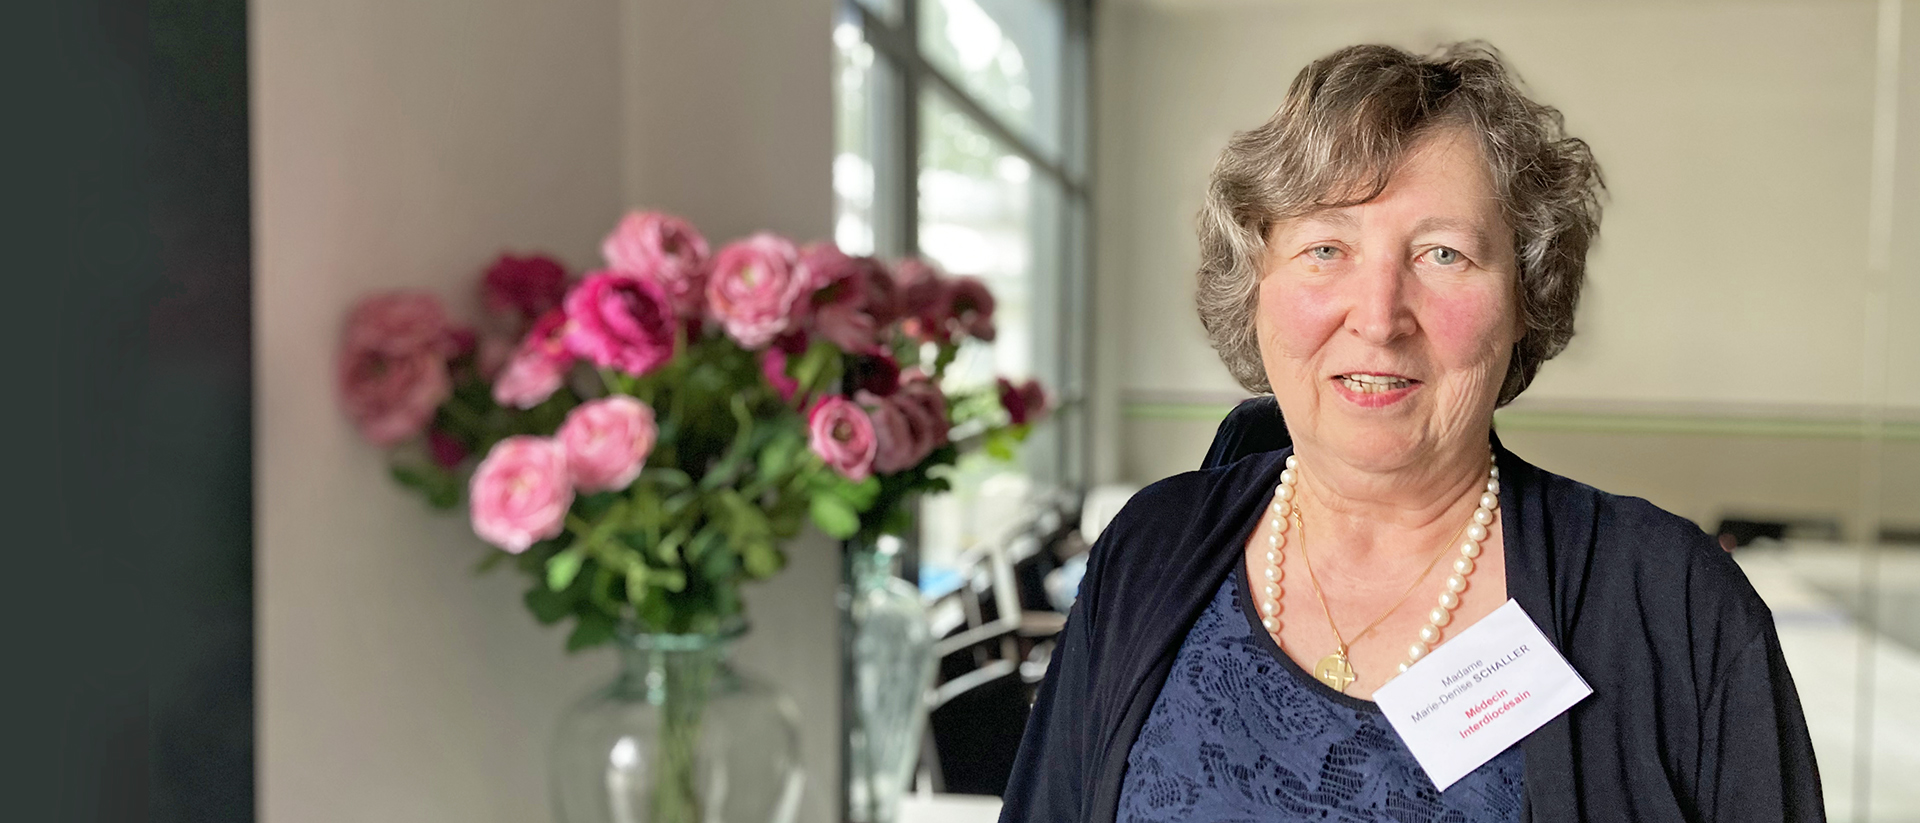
[(620, 321), (665, 249), (970, 308), (446, 451), (607, 441), (520, 493), (523, 287), (1025, 402), (773, 364), (879, 374), (756, 289), (842, 436), (918, 284), (538, 367)]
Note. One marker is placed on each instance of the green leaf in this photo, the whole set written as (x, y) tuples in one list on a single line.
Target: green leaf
[(896, 521), (778, 457), (703, 542), (637, 583), (763, 560), (669, 548), (673, 580), (832, 514), (725, 472), (438, 485), (813, 365), (564, 567), (644, 511), (669, 479), (600, 591), (547, 605), (861, 495), (590, 629), (719, 566), (999, 445)]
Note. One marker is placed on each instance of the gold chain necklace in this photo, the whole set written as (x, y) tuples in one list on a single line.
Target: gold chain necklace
[(1336, 670)]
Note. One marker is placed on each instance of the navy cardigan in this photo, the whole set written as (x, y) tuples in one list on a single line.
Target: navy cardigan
[(1693, 715)]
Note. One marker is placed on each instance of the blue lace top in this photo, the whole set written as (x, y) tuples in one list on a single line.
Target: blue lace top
[(1240, 732)]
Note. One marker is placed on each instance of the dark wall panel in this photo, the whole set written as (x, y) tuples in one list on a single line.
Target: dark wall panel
[(128, 661)]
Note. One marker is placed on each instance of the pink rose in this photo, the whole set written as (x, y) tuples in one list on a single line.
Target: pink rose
[(842, 436), (537, 367), (607, 441), (400, 324), (896, 443), (666, 250), (1025, 403), (392, 369), (526, 287), (757, 289), (391, 398), (520, 492), (620, 321), (970, 308)]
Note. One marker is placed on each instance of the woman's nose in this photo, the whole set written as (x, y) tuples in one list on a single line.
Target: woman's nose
[(1379, 312)]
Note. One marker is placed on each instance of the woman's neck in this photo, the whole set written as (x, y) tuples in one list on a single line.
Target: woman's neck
[(1368, 521)]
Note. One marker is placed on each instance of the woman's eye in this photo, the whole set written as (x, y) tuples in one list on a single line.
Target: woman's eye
[(1322, 252), (1443, 256)]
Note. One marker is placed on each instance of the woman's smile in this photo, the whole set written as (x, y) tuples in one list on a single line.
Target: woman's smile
[(1373, 390)]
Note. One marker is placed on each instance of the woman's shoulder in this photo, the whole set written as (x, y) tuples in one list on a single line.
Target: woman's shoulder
[(1623, 544)]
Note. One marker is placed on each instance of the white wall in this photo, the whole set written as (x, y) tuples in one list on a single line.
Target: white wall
[(1736, 137), (403, 144)]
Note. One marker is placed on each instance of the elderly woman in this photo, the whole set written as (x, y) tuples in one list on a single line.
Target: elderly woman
[(1394, 255)]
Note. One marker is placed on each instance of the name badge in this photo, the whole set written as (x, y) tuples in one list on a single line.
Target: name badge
[(1479, 693)]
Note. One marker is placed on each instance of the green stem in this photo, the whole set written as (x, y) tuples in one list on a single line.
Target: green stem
[(676, 795)]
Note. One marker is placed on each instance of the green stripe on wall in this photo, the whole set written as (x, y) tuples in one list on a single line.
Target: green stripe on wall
[(1617, 423)]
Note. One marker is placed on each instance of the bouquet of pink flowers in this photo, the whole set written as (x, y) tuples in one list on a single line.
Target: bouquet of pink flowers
[(648, 434)]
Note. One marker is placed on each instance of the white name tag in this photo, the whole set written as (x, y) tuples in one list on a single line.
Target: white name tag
[(1479, 693)]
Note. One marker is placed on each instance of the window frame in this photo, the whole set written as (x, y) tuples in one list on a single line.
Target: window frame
[(895, 135)]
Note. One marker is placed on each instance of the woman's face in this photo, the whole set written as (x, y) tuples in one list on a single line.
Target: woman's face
[(1385, 328)]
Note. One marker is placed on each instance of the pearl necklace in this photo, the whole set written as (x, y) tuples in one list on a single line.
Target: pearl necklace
[(1335, 670)]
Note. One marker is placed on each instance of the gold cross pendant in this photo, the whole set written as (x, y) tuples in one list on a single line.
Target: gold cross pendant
[(1335, 671)]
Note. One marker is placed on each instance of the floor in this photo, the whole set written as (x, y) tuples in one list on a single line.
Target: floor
[(1867, 740)]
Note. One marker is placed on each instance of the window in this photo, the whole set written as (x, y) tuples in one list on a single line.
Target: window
[(961, 139)]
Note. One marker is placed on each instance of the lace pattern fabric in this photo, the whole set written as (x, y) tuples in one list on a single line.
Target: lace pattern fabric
[(1240, 732)]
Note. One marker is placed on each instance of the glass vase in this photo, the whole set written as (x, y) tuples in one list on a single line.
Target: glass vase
[(892, 668), (678, 737)]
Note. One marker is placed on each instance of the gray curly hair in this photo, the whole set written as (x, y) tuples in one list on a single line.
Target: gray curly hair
[(1346, 122)]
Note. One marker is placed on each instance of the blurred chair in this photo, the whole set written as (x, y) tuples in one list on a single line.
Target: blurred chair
[(993, 623)]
